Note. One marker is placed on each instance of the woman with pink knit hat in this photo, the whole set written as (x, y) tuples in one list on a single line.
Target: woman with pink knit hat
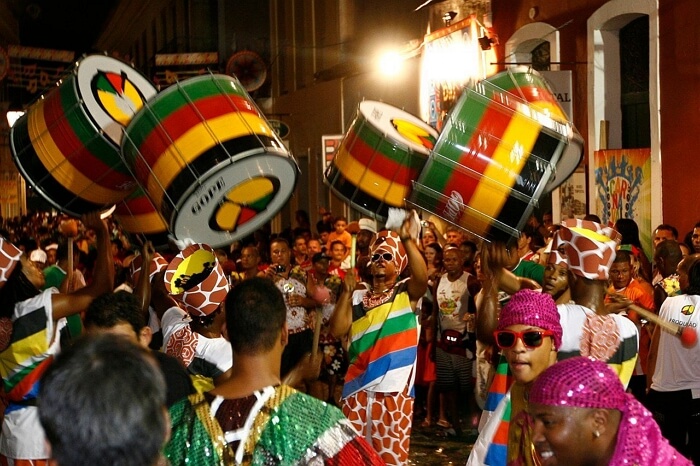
[(528, 334), (582, 416)]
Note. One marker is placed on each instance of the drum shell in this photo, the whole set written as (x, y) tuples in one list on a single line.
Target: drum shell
[(196, 142), (67, 144), (533, 88), (491, 163), (376, 162), (138, 216)]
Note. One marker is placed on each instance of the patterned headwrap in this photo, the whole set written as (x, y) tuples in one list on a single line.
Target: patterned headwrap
[(9, 256), (528, 307), (388, 241), (587, 247), (587, 383), (158, 263), (195, 279)]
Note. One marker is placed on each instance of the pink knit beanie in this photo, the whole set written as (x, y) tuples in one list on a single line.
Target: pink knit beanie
[(528, 307)]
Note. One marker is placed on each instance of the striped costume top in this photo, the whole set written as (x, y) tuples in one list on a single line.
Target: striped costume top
[(383, 344), (31, 351), (283, 427)]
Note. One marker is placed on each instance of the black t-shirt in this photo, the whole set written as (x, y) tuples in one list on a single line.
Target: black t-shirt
[(177, 380)]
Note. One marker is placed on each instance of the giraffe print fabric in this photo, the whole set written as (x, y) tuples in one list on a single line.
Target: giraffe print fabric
[(588, 248)]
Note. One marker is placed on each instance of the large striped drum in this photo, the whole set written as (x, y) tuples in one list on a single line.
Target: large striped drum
[(382, 152), (209, 161), (67, 144), (533, 88), (496, 156)]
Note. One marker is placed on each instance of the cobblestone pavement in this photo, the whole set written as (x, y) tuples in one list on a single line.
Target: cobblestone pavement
[(430, 446)]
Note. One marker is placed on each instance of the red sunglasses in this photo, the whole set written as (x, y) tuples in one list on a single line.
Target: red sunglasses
[(506, 339)]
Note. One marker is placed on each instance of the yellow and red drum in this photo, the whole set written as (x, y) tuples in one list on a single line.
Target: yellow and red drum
[(496, 156), (208, 160), (67, 144), (383, 151)]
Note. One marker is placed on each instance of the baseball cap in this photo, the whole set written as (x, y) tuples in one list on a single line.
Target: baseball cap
[(367, 224)]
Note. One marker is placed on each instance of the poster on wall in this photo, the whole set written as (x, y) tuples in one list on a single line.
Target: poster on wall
[(623, 188), (572, 196)]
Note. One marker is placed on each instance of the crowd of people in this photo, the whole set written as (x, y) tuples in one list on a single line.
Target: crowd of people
[(287, 348)]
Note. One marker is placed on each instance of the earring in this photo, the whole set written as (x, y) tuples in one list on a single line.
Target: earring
[(596, 434)]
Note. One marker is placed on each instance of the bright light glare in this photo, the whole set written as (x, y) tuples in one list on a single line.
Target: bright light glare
[(13, 116), (390, 63)]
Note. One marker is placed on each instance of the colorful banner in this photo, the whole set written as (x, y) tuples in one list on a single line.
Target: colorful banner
[(623, 188)]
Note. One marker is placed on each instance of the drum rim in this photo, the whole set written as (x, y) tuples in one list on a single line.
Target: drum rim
[(277, 204), (391, 133), (87, 98)]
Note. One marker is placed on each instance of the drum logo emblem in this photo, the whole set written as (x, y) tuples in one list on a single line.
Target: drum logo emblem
[(244, 202), (413, 133), (117, 95), (453, 207), (688, 310)]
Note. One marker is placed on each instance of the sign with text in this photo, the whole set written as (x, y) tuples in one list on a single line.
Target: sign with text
[(561, 87)]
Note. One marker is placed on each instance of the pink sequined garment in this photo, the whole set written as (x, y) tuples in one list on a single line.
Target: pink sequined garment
[(587, 383)]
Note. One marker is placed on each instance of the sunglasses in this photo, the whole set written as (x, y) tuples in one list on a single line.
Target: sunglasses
[(506, 339), (387, 256)]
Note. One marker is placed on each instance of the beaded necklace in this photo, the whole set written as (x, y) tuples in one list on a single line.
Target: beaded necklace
[(373, 299)]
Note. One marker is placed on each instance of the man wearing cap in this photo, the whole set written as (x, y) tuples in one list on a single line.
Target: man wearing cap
[(529, 334), (51, 254), (383, 333), (365, 237), (38, 256)]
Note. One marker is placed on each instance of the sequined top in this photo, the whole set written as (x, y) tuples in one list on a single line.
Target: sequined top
[(273, 426)]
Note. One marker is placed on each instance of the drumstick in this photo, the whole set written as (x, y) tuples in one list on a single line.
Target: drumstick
[(69, 272), (353, 228), (317, 333), (688, 335)]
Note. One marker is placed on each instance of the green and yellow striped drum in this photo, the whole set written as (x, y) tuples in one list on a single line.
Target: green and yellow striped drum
[(383, 151), (67, 143), (208, 160), (501, 148)]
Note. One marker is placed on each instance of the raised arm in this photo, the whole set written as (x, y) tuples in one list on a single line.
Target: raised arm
[(103, 274), (341, 319), (418, 284)]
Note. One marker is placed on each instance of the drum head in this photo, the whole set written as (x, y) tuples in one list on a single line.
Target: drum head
[(236, 199), (112, 92), (399, 126)]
